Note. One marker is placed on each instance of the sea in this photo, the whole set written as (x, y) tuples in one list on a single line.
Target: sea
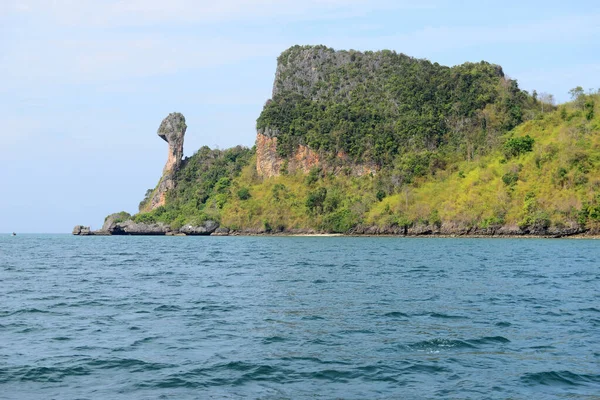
[(127, 317)]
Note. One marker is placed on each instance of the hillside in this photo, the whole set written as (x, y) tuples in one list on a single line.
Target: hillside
[(543, 179), (382, 143)]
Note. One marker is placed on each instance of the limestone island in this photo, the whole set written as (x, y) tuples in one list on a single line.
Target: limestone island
[(380, 143)]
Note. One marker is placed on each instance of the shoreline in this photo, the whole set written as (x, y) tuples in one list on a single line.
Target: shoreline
[(431, 236), (212, 228), (578, 236)]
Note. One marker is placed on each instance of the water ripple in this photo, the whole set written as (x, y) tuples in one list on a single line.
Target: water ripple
[(298, 318)]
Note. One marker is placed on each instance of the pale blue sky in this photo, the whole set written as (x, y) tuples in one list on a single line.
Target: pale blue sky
[(85, 84)]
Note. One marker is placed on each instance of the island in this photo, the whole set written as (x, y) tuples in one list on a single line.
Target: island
[(381, 143)]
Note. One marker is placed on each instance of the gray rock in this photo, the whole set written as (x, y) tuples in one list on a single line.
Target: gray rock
[(112, 220), (137, 228), (81, 230), (221, 232), (205, 229)]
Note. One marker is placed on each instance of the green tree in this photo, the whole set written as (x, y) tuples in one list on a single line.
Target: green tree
[(517, 146), (243, 193), (315, 200), (577, 96)]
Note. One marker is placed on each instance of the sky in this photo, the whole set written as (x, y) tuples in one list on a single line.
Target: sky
[(84, 84)]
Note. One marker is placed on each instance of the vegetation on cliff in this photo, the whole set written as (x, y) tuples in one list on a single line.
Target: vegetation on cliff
[(203, 186), (375, 106)]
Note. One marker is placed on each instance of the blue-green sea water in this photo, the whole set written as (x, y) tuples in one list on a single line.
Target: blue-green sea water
[(298, 318)]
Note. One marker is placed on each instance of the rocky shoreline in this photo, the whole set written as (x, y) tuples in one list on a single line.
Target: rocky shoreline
[(113, 227)]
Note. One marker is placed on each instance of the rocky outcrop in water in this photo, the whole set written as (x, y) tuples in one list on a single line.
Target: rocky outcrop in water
[(81, 230), (112, 220), (172, 130), (206, 228), (114, 225), (131, 227)]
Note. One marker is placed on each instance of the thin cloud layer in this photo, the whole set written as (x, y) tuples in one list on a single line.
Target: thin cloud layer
[(109, 13)]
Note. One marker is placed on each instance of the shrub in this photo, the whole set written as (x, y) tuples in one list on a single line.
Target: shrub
[(314, 175), (119, 217), (315, 200), (340, 221), (279, 191), (510, 178), (514, 147), (144, 218), (244, 193)]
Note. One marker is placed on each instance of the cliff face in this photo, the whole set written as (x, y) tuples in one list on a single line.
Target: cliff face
[(171, 130), (269, 163)]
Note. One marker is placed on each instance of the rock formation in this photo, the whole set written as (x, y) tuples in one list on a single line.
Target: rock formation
[(129, 227), (81, 230), (172, 130), (269, 163)]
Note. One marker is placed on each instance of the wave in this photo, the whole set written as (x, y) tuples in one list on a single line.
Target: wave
[(25, 311), (489, 340), (443, 344), (40, 374), (590, 309), (396, 314), (559, 378), (165, 307), (426, 368), (445, 316), (130, 364), (436, 344), (273, 339)]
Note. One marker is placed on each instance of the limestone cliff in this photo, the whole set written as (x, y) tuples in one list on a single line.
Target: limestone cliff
[(303, 71), (172, 130), (269, 163)]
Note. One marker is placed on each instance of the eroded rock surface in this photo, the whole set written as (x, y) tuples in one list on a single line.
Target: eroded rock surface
[(81, 230), (205, 229), (269, 163), (131, 227), (112, 220), (172, 130)]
